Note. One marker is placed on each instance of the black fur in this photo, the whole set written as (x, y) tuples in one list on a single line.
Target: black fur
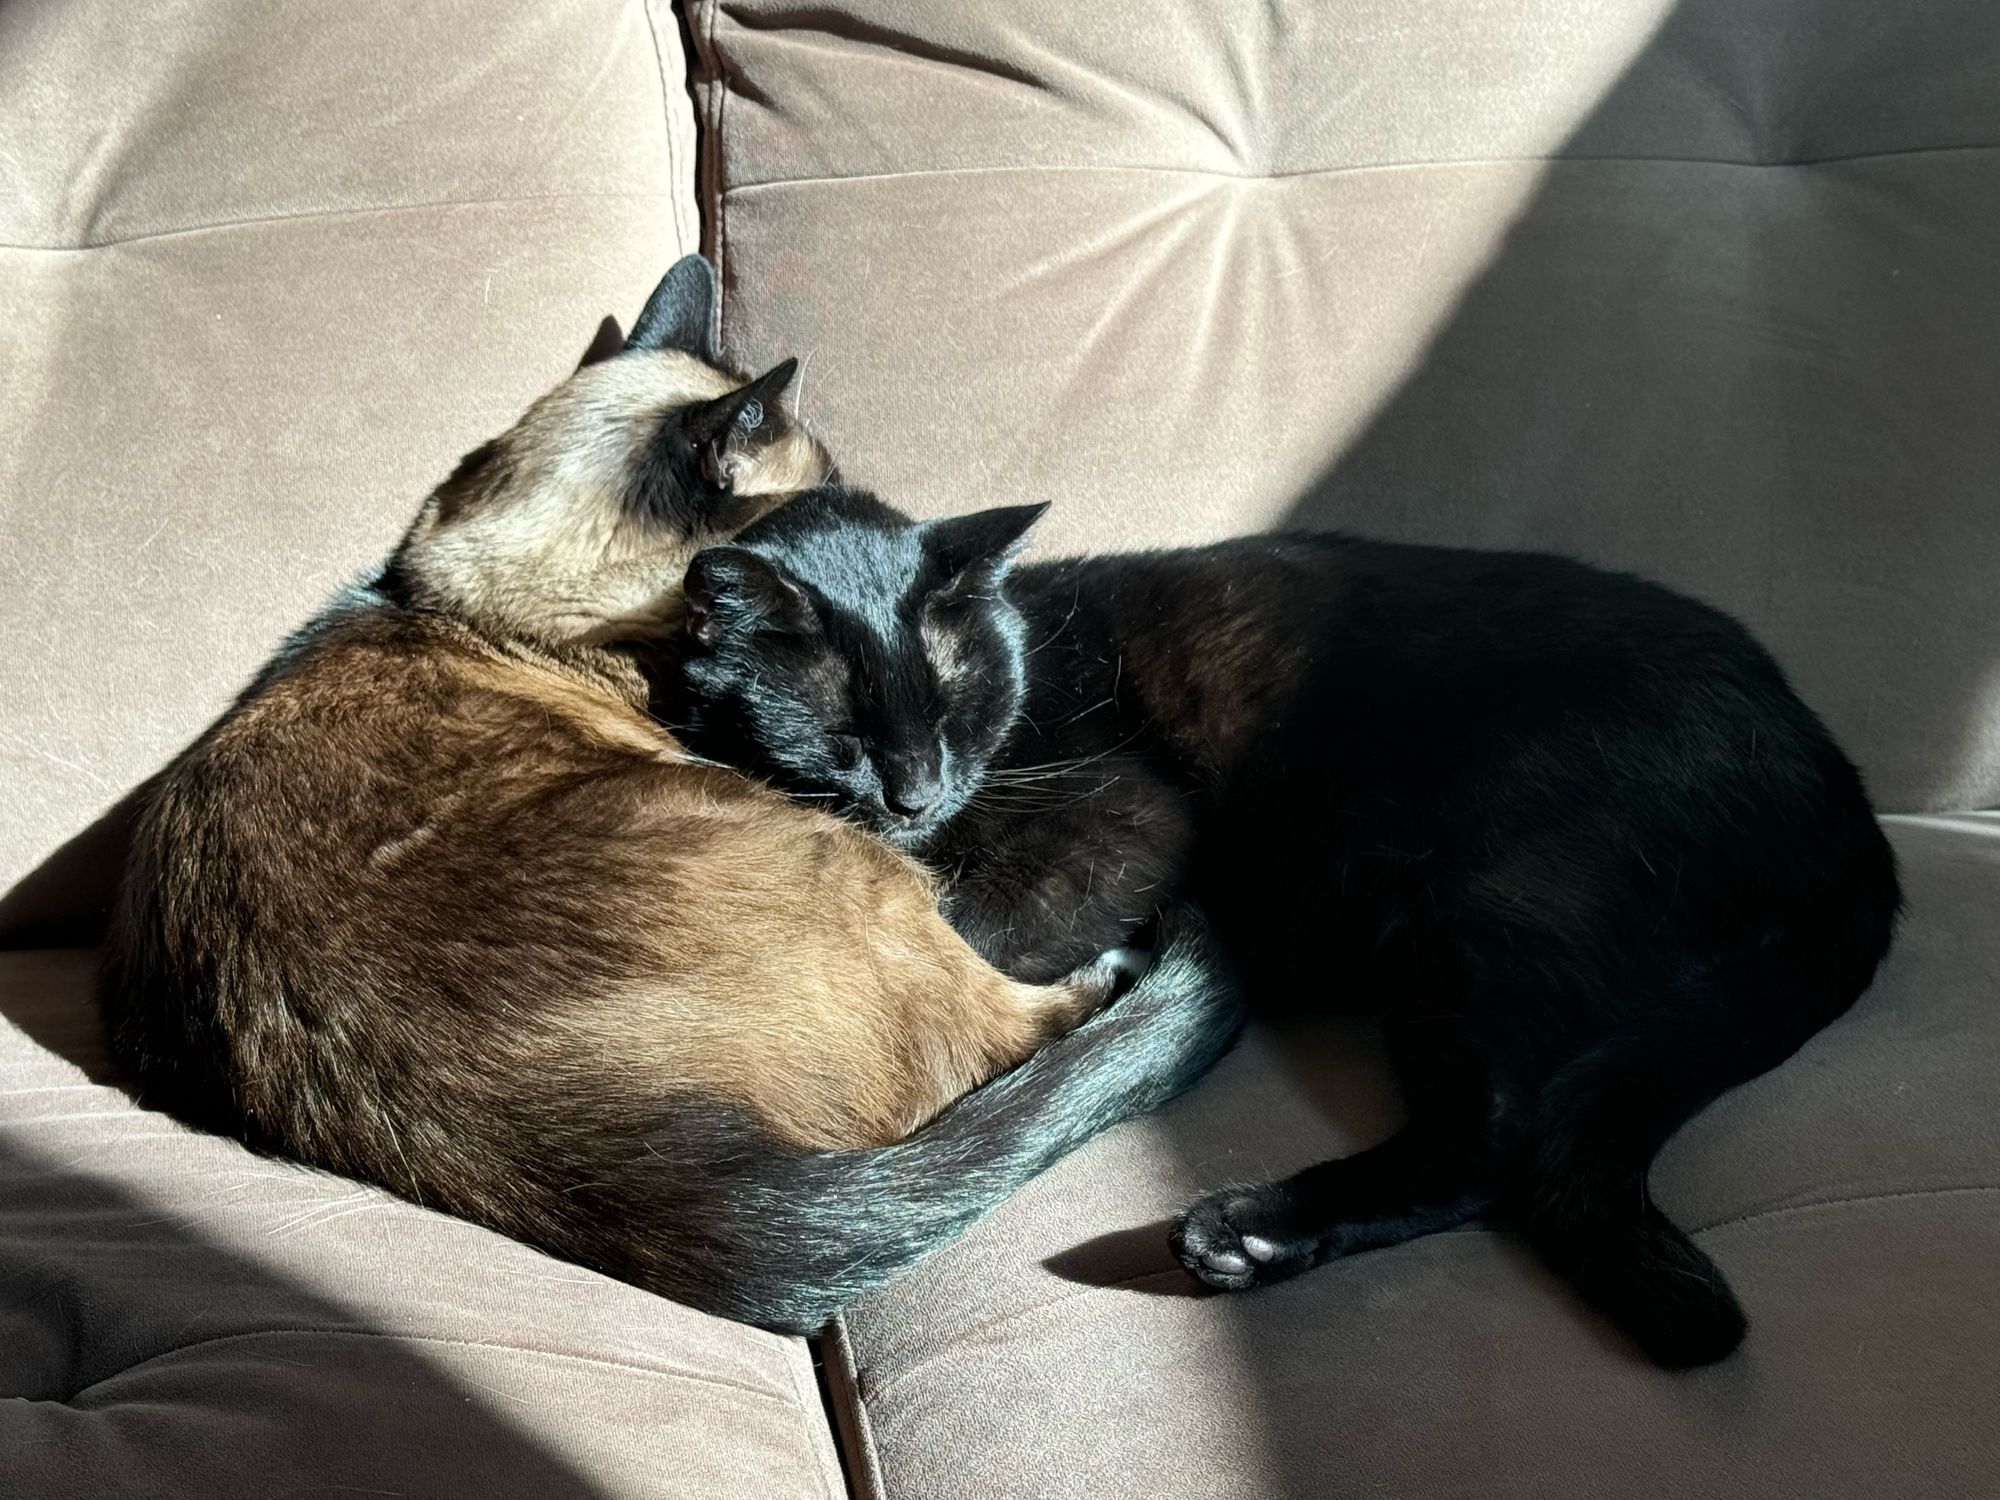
[(680, 314), (1571, 835)]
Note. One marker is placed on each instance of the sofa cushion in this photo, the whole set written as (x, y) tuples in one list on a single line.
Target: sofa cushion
[(181, 1317), (1698, 289), (1852, 1197), (263, 278)]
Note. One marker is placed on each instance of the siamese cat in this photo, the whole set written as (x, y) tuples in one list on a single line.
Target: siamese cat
[(1571, 835), (437, 904)]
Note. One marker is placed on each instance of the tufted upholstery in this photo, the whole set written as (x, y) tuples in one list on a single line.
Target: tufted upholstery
[(1696, 287), (1702, 288), (263, 279)]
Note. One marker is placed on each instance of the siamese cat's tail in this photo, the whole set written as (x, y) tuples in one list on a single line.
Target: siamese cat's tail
[(794, 1238)]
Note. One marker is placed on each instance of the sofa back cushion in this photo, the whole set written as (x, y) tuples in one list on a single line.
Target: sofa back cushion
[(1700, 290), (262, 280)]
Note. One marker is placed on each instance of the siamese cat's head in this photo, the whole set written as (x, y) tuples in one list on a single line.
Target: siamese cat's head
[(851, 654), (575, 525)]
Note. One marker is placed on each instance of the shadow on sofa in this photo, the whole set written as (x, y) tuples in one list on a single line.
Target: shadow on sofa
[(173, 1350), (1734, 369), (1738, 371)]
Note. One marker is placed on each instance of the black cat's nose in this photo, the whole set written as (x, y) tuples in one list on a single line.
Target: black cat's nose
[(912, 795)]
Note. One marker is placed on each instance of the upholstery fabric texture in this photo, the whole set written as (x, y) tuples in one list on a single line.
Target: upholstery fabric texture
[(1695, 288), (264, 276), (1852, 1197), (265, 272), (181, 1317), (1700, 289)]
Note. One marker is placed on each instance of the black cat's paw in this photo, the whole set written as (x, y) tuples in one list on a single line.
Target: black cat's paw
[(1238, 1238)]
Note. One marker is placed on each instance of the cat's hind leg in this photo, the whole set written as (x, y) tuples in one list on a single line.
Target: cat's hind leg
[(1581, 1191), (1580, 1185)]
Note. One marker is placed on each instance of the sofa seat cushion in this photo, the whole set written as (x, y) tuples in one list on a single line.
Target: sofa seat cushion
[(1689, 287), (180, 1317), (1852, 1197), (265, 274)]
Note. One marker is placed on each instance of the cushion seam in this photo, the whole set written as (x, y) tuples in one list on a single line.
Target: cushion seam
[(652, 14), (360, 211), (1856, 1201), (436, 1339), (806, 1388), (1356, 168), (717, 158), (851, 1424)]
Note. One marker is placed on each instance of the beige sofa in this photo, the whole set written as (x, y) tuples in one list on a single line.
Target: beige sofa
[(1707, 289)]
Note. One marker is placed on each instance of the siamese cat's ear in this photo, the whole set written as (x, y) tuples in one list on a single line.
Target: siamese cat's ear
[(681, 312), (981, 544), (607, 341), (729, 590), (716, 429)]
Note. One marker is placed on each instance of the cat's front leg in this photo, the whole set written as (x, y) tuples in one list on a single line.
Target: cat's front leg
[(1018, 935), (1415, 1183), (1041, 895)]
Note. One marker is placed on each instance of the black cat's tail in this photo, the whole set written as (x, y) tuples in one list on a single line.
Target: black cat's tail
[(787, 1241), (1602, 1119)]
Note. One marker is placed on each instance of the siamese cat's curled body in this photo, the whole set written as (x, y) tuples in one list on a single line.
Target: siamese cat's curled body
[(438, 904), (1569, 834)]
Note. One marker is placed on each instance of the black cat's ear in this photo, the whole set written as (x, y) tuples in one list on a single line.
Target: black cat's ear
[(681, 312), (607, 341), (984, 541), (715, 428), (729, 590)]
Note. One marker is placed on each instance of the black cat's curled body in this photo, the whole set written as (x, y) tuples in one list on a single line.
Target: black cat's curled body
[(1570, 834)]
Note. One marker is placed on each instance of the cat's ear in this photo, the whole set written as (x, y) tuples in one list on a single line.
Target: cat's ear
[(715, 429), (730, 589), (607, 341), (681, 312), (983, 543)]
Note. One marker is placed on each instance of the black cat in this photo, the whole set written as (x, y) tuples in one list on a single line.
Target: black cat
[(1570, 834)]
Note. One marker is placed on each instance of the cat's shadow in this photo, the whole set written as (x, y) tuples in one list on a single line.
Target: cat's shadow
[(1135, 1259), (1296, 1092), (51, 921)]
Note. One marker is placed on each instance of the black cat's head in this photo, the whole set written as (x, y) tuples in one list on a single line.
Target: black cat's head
[(851, 654)]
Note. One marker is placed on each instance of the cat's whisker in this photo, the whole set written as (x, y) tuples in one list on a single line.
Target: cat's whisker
[(799, 387), (1076, 603), (1056, 770)]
